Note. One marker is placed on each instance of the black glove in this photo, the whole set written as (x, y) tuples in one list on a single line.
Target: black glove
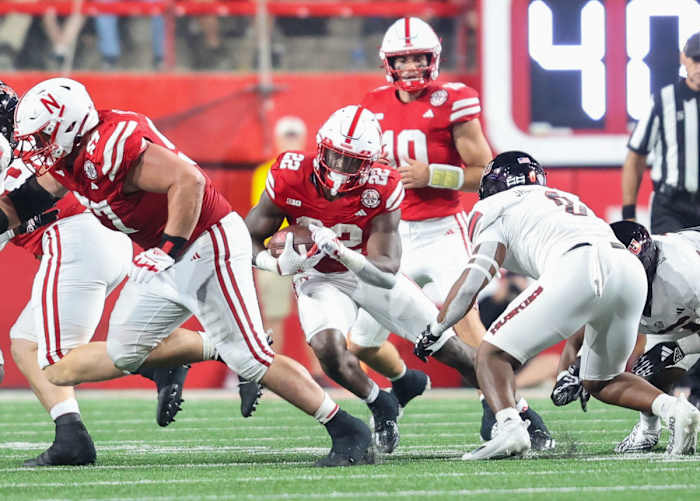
[(424, 344), (37, 222), (569, 387), (659, 357)]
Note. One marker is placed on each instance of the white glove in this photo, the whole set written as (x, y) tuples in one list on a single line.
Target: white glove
[(148, 263), (327, 240), (291, 262)]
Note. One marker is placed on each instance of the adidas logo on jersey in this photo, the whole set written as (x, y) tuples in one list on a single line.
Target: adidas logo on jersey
[(665, 352), (195, 256), (360, 213), (428, 114), (94, 186)]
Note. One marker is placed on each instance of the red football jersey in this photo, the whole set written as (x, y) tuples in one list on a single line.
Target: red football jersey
[(68, 206), (422, 130), (290, 185), (100, 168)]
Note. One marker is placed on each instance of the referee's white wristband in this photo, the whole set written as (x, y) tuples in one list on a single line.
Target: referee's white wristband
[(265, 261), (446, 176)]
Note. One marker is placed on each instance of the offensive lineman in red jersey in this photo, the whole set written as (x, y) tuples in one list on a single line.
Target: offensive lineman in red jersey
[(432, 136), (66, 303), (196, 259), (353, 210)]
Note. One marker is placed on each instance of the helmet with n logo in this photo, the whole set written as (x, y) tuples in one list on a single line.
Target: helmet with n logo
[(50, 118), (348, 143), (410, 36)]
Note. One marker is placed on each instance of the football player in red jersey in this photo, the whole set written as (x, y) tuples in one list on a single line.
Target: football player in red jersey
[(432, 136), (196, 259), (352, 207), (68, 295)]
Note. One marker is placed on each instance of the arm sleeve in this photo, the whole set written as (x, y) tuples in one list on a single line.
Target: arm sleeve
[(646, 131)]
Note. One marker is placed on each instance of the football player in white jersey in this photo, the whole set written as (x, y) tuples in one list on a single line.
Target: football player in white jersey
[(583, 276), (670, 319)]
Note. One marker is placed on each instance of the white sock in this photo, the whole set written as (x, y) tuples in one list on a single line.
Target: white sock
[(481, 397), (208, 348), (373, 393), (65, 407), (401, 374), (649, 421), (662, 405), (522, 405), (508, 413), (327, 411)]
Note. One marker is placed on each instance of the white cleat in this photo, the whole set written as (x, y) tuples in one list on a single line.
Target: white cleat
[(639, 440), (509, 439), (683, 426)]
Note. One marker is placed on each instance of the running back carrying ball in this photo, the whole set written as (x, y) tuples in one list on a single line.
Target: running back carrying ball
[(302, 240)]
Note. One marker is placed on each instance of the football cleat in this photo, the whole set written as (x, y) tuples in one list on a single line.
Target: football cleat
[(639, 440), (352, 442), (540, 438), (250, 393), (683, 427), (169, 383), (413, 384), (72, 446), (385, 411), (510, 439)]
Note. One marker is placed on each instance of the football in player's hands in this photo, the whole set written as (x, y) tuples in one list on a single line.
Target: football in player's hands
[(303, 242)]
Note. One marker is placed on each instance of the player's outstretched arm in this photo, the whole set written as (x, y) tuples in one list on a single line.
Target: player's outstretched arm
[(474, 151), (483, 265)]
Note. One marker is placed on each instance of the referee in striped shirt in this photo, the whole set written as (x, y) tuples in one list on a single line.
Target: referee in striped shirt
[(670, 130)]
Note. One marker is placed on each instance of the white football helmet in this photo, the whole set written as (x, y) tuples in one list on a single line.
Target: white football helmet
[(410, 35), (348, 143), (50, 118)]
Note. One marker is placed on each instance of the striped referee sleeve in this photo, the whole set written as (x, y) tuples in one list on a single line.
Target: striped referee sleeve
[(646, 131)]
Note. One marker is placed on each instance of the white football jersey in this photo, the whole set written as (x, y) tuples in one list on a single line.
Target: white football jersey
[(675, 291), (536, 224)]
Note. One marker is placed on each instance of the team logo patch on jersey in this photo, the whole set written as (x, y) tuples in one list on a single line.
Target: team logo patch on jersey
[(438, 98), (90, 170), (370, 198), (634, 247)]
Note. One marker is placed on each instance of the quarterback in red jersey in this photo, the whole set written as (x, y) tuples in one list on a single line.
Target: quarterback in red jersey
[(352, 206), (432, 136), (196, 259)]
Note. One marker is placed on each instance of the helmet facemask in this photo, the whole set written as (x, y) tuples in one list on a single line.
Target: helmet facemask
[(423, 73), (340, 171)]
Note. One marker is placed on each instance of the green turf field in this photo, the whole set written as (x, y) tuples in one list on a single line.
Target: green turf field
[(213, 453)]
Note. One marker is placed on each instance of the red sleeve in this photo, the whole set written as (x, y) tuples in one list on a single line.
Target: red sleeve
[(119, 148), (395, 191), (463, 105), (276, 182)]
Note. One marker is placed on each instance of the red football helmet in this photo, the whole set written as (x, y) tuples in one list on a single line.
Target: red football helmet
[(348, 143), (410, 36)]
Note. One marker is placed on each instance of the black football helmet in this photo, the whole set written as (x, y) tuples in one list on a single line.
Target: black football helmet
[(8, 103), (510, 169), (639, 242)]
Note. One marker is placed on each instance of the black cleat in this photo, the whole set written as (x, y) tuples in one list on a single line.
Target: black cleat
[(352, 442), (250, 393), (540, 438), (385, 411), (72, 446), (488, 420), (411, 385), (169, 383)]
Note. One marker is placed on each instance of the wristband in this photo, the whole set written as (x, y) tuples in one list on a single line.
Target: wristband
[(353, 261), (629, 211), (264, 261), (172, 246), (446, 176)]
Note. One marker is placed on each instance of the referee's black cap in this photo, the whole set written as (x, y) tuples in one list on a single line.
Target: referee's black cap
[(692, 46)]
